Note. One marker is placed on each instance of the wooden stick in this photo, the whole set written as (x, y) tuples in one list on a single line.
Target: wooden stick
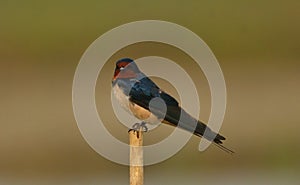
[(136, 158)]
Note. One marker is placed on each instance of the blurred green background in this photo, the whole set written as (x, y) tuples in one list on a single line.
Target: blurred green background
[(257, 44)]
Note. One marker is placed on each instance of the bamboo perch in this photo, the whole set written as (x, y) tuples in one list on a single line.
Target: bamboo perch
[(136, 157)]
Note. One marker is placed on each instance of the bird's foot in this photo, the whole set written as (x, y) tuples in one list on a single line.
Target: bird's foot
[(139, 127)]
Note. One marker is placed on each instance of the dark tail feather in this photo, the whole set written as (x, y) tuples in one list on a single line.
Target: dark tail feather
[(203, 131), (225, 149), (207, 133), (188, 123)]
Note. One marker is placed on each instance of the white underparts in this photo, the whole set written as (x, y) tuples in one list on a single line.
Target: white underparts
[(138, 111)]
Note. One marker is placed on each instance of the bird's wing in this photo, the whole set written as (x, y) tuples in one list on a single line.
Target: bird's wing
[(144, 90)]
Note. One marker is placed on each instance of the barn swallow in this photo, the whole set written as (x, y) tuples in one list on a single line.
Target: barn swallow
[(135, 91)]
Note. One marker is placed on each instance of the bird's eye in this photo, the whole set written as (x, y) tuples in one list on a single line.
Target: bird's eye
[(121, 68)]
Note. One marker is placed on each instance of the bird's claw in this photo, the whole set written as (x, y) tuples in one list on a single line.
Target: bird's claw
[(139, 127)]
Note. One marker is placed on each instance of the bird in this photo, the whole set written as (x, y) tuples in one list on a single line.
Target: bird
[(136, 93)]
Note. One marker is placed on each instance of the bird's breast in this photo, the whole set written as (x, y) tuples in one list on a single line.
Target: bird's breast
[(138, 111), (122, 98)]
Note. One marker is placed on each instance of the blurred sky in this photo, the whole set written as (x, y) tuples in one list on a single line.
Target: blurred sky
[(257, 44)]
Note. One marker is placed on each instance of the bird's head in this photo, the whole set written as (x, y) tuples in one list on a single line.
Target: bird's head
[(125, 68)]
